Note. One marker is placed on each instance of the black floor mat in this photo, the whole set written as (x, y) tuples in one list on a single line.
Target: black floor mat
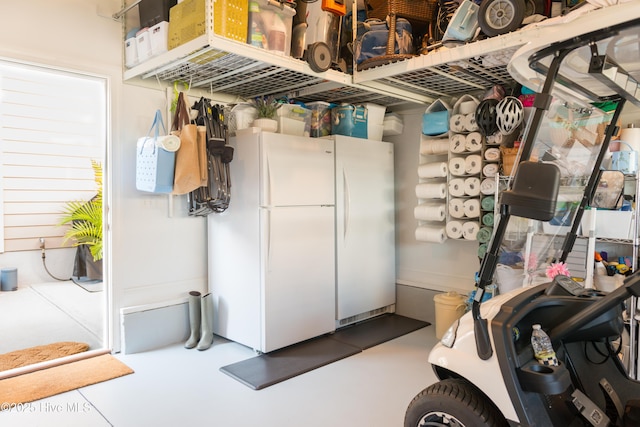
[(280, 365), (274, 367), (375, 331)]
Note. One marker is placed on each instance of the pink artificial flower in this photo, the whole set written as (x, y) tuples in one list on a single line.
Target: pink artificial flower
[(557, 268)]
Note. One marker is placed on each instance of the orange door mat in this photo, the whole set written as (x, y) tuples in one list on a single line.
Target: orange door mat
[(41, 353), (59, 379)]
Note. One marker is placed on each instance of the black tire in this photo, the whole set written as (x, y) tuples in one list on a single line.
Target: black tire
[(319, 57), (455, 401), (497, 17)]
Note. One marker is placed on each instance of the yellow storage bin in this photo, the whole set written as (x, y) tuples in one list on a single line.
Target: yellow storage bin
[(187, 20), (231, 19)]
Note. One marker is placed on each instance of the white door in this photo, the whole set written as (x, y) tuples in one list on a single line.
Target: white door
[(298, 256), (296, 171), (364, 226)]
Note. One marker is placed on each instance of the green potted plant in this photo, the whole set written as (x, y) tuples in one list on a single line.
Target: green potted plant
[(84, 219), (267, 108)]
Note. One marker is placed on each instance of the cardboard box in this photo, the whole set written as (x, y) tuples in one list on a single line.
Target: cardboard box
[(186, 22)]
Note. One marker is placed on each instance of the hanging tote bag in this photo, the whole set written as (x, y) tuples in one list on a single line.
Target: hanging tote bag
[(187, 174), (156, 159)]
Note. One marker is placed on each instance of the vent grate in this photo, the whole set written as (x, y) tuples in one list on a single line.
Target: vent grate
[(366, 315)]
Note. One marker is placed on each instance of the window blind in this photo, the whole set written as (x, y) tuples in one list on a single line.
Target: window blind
[(52, 124)]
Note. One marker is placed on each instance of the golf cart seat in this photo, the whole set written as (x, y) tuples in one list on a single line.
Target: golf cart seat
[(534, 192)]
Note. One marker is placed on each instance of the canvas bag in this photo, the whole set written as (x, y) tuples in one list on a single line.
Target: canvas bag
[(156, 158), (190, 158)]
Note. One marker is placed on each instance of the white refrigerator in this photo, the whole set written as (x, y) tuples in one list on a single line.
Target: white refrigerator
[(272, 252), (365, 229)]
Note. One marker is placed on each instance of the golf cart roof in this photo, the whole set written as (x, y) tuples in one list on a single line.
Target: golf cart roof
[(605, 65)]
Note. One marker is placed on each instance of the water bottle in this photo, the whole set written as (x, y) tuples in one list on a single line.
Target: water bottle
[(542, 348)]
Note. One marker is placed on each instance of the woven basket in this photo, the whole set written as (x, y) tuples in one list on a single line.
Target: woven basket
[(418, 10), (509, 159)]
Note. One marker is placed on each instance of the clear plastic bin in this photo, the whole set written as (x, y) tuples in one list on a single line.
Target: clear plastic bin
[(294, 120), (270, 26), (320, 118)]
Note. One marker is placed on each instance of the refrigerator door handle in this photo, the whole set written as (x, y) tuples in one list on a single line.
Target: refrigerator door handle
[(267, 214), (267, 184), (347, 200)]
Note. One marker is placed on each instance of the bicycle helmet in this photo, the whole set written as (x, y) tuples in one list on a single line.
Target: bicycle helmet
[(509, 114), (486, 116)]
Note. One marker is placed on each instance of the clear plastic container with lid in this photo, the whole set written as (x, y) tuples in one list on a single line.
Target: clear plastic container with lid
[(270, 25)]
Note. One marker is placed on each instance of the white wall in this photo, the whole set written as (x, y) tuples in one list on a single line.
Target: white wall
[(152, 256), (446, 266)]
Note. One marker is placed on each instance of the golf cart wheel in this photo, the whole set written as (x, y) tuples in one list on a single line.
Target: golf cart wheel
[(497, 17), (452, 403), (319, 57)]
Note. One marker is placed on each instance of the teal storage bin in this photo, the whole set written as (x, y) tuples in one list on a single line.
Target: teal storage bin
[(349, 120)]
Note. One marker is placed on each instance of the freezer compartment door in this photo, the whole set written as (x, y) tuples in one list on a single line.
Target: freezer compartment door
[(299, 280), (296, 171), (365, 236)]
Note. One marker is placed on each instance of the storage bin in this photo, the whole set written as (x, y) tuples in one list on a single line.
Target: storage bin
[(374, 132), (294, 120), (375, 120), (609, 224), (241, 117), (130, 52), (270, 26), (154, 11), (143, 45), (159, 38), (392, 125), (449, 307), (320, 118), (435, 120), (566, 208), (231, 18), (349, 120), (186, 22)]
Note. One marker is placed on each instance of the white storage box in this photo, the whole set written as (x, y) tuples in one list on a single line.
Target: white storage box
[(609, 224), (294, 120), (130, 52), (143, 45), (159, 38), (375, 120), (375, 113), (392, 125), (242, 115)]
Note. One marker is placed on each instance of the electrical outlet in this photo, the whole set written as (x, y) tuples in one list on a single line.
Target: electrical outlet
[(42, 243)]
